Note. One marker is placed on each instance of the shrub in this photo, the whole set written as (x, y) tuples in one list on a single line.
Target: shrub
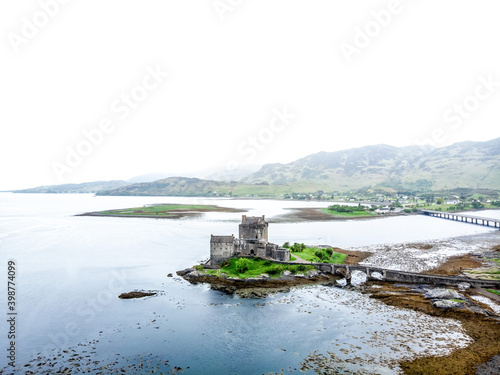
[(322, 255), (275, 270), (297, 247), (242, 264), (199, 268), (301, 267)]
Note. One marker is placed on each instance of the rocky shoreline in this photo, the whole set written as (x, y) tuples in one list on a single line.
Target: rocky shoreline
[(257, 287), (480, 322)]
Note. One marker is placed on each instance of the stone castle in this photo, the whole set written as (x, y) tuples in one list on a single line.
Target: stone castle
[(252, 241)]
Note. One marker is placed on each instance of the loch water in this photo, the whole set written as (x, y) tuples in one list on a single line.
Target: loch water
[(70, 270)]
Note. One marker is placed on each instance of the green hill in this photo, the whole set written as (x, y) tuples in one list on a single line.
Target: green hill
[(466, 165), (470, 165)]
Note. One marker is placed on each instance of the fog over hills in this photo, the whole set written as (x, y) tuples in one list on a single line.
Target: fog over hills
[(473, 165), (466, 164)]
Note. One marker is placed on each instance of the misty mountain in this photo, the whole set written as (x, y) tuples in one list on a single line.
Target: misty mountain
[(465, 164), (175, 186), (86, 187), (148, 177), (473, 165)]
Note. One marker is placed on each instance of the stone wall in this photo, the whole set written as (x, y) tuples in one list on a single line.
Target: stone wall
[(221, 248)]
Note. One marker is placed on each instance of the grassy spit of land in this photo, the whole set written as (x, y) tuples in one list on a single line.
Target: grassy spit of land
[(168, 210)]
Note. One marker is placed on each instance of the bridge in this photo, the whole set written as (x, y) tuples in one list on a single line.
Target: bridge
[(485, 221), (404, 277), (345, 270)]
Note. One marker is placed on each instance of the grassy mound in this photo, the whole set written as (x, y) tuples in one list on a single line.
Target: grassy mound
[(253, 267), (315, 254)]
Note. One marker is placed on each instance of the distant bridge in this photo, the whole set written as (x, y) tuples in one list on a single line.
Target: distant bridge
[(485, 221)]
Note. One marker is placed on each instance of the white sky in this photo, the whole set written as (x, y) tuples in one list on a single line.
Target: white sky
[(230, 69)]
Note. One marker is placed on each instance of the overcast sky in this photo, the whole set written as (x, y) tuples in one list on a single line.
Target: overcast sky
[(100, 90)]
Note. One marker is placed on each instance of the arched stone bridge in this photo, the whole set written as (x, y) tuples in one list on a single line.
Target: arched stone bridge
[(402, 276), (405, 277)]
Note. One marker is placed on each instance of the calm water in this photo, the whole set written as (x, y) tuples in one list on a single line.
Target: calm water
[(71, 270)]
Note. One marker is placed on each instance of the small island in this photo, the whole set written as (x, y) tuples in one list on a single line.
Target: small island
[(251, 266), (164, 210)]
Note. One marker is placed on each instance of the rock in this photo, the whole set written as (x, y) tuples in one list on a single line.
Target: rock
[(443, 294), (312, 273), (223, 288), (260, 292), (135, 295), (286, 273), (170, 275), (447, 304), (185, 271), (463, 286), (252, 293), (193, 274), (264, 276)]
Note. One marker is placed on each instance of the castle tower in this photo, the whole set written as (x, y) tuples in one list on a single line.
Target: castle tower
[(253, 228)]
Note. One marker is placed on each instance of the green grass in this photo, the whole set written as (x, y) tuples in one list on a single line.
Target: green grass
[(496, 260), (311, 255), (493, 291), (254, 267), (457, 300), (490, 272), (292, 258), (347, 214), (159, 209)]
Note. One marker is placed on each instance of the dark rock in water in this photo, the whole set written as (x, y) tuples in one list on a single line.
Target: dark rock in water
[(260, 292), (184, 271), (135, 295), (170, 275), (223, 288)]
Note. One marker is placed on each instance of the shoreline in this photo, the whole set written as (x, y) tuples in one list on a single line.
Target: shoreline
[(484, 329), (256, 287)]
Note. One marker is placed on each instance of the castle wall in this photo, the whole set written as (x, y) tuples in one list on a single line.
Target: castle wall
[(221, 248), (278, 253), (252, 241)]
